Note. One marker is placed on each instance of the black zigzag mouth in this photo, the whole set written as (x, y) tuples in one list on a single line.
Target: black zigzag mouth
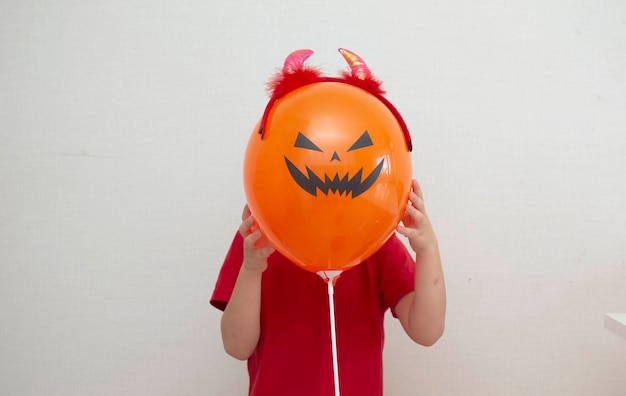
[(344, 185)]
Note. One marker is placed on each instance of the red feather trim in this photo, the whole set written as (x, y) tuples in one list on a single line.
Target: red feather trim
[(283, 83), (371, 84)]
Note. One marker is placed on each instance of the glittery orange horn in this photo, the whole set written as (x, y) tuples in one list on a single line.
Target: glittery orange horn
[(295, 60), (357, 65)]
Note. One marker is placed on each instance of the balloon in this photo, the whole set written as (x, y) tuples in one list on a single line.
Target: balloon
[(329, 178)]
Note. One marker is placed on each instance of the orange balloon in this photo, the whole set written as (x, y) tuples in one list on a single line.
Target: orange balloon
[(330, 178)]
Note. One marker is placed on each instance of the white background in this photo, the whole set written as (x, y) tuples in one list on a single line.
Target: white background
[(123, 126)]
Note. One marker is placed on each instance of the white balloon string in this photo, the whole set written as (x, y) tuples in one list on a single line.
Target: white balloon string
[(333, 335), (330, 277)]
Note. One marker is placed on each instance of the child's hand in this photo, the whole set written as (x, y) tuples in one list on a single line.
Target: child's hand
[(256, 247), (415, 223)]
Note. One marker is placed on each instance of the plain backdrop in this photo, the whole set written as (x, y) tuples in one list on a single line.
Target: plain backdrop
[(123, 126)]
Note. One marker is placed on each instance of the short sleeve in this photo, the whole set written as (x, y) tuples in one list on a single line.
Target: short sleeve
[(396, 272), (228, 274)]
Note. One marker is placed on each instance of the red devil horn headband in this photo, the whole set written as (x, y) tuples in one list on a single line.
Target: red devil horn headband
[(296, 74)]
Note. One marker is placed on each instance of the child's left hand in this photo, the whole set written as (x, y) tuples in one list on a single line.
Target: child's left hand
[(416, 224)]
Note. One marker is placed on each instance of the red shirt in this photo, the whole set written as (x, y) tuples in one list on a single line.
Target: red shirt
[(293, 355)]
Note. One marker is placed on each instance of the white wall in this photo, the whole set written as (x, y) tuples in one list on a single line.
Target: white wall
[(122, 131)]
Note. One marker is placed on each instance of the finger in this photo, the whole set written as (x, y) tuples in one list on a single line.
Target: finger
[(254, 237), (415, 215), (408, 218), (251, 241), (414, 212), (246, 212), (417, 189), (404, 231), (246, 226), (401, 229), (416, 201), (259, 242)]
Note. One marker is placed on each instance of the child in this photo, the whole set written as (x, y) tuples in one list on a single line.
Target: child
[(276, 314)]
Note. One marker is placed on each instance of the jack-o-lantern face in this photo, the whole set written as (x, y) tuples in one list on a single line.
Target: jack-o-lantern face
[(329, 179), (353, 185)]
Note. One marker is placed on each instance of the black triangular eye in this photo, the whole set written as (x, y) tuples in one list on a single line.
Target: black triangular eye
[(304, 142), (363, 141)]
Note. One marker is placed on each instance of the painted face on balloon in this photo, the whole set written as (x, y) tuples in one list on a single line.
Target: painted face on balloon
[(331, 141), (351, 184)]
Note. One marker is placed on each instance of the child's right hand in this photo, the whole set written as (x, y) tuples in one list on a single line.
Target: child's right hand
[(256, 247)]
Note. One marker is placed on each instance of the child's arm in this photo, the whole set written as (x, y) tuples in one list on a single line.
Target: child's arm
[(422, 312), (241, 319)]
